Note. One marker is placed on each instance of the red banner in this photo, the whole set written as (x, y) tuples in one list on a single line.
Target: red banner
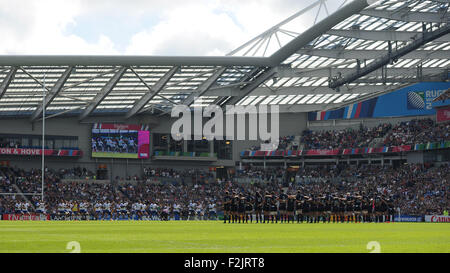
[(437, 218), (125, 127), (443, 114), (404, 148), (322, 152), (38, 152), (26, 217)]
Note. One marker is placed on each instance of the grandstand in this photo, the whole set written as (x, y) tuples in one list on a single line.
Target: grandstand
[(362, 93)]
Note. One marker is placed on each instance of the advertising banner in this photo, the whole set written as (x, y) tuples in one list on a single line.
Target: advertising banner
[(443, 114), (322, 152), (38, 152), (415, 100), (408, 218), (25, 217), (356, 151), (437, 219)]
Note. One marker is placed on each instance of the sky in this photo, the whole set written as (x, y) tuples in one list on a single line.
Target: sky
[(137, 27)]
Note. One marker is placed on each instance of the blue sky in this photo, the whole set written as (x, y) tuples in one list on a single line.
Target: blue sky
[(137, 27)]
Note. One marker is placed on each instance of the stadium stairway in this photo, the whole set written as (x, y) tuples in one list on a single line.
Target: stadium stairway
[(19, 191), (377, 142)]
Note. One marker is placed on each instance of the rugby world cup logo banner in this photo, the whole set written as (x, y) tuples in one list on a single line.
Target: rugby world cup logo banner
[(416, 100), (422, 100)]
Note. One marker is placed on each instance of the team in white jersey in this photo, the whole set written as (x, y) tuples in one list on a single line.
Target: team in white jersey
[(22, 207), (139, 210)]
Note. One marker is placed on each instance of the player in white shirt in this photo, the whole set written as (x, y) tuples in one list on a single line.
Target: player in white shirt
[(110, 145), (101, 145), (98, 210), (153, 211), (107, 209), (212, 211), (192, 207), (131, 144), (136, 207), (18, 207), (68, 208), (143, 209), (84, 208), (124, 147), (94, 145), (25, 206), (61, 210), (40, 208), (176, 211), (124, 208), (199, 211)]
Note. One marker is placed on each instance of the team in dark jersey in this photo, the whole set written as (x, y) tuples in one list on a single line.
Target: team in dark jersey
[(268, 207)]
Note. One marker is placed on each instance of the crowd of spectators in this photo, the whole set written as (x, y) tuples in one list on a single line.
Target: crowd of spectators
[(343, 139), (256, 173), (284, 143), (4, 143), (417, 131), (412, 132), (415, 189)]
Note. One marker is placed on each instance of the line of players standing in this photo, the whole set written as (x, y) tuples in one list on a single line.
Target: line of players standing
[(125, 210), (269, 207)]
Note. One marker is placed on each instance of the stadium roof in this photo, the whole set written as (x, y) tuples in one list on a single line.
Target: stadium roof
[(317, 59)]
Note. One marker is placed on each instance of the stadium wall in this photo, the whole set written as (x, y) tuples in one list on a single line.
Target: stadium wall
[(290, 124)]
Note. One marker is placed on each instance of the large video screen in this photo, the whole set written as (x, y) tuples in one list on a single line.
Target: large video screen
[(120, 141)]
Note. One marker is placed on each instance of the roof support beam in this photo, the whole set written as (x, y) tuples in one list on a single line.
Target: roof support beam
[(153, 91), (371, 54), (427, 37), (7, 81), (204, 87), (303, 90), (382, 35), (318, 29), (410, 16), (112, 60), (326, 72), (53, 93), (103, 93), (247, 90)]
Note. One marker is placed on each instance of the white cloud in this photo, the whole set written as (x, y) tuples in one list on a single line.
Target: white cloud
[(192, 30), (201, 27), (38, 27)]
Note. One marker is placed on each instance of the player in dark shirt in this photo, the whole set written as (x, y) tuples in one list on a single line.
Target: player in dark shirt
[(282, 199), (290, 209), (274, 208), (249, 208), (234, 208), (358, 208), (241, 208), (266, 206), (258, 206), (227, 207), (299, 206)]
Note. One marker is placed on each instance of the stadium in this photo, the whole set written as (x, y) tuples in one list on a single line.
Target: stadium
[(326, 137)]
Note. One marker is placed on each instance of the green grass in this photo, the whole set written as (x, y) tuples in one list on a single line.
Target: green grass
[(114, 155), (168, 237)]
